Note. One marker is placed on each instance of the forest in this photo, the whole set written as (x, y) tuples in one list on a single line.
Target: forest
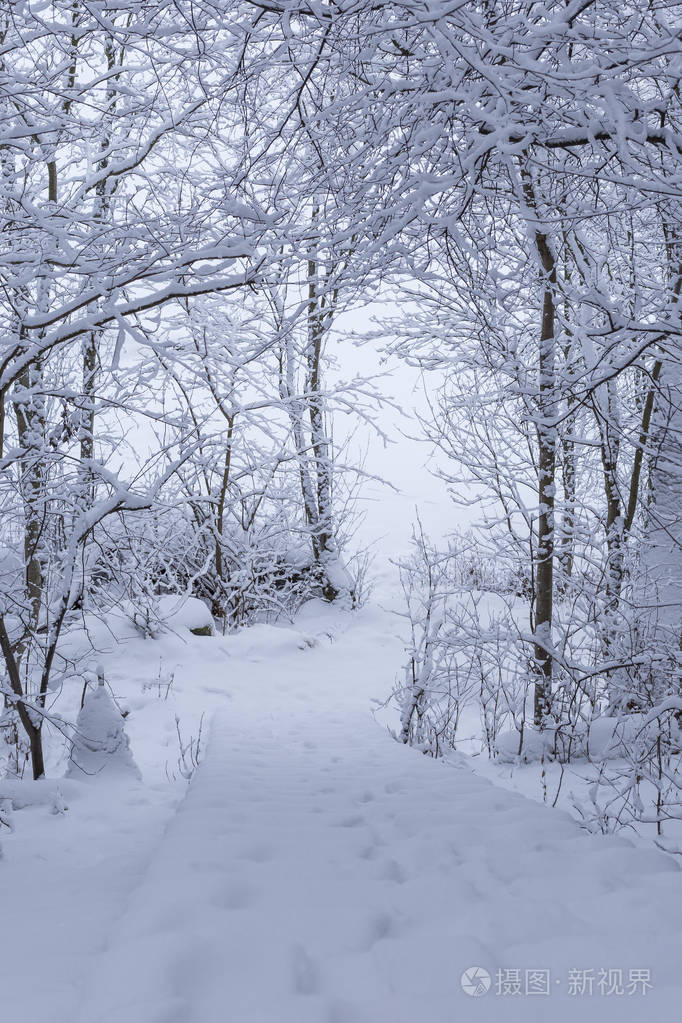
[(209, 210)]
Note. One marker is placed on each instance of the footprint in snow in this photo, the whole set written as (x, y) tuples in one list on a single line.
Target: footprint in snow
[(456, 854), (341, 1011), (174, 1010), (236, 895), (370, 851), (305, 972), (392, 871), (354, 820), (258, 853), (382, 926), (192, 968)]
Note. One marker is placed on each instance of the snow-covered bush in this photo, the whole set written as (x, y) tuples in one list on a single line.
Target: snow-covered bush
[(260, 574), (14, 747), (462, 651), (100, 744), (470, 657)]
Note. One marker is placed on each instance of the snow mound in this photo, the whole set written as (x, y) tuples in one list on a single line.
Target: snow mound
[(101, 744), (602, 739), (19, 793), (338, 576), (527, 746), (259, 642), (181, 612)]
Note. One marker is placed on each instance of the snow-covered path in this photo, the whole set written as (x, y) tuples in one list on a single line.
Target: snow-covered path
[(318, 872)]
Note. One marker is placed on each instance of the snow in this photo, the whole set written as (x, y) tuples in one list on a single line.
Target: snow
[(228, 829), (337, 575), (604, 738), (184, 612), (314, 871), (100, 744)]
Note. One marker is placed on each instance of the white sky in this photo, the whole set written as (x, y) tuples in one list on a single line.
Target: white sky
[(407, 462)]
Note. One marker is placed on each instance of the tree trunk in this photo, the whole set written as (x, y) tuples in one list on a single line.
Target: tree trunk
[(569, 475), (661, 559), (86, 433), (324, 531), (32, 728), (30, 434), (662, 549), (546, 435), (614, 527)]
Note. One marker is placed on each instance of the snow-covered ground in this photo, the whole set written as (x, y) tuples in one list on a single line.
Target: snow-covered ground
[(315, 871)]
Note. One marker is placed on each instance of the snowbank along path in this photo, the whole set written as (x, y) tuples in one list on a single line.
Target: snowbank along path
[(318, 872)]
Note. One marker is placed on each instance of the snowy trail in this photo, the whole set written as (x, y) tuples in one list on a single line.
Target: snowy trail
[(317, 872)]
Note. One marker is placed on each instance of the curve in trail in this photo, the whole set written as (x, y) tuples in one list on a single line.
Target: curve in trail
[(318, 872)]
